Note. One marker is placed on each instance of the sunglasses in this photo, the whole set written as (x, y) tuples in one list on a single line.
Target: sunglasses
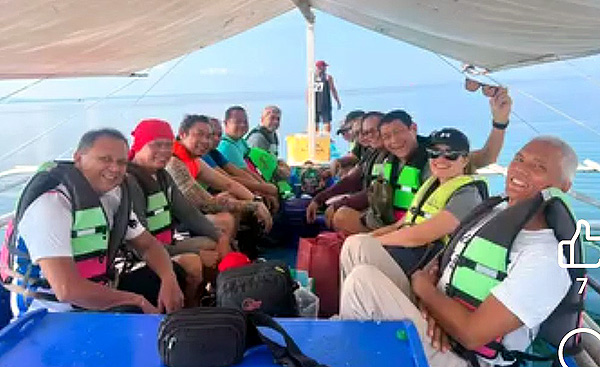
[(487, 90), (450, 155)]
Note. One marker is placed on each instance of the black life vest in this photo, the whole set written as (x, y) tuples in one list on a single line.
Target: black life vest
[(269, 137), (483, 262), (158, 202), (94, 246)]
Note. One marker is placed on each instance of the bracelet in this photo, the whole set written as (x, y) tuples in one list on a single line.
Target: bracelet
[(499, 126)]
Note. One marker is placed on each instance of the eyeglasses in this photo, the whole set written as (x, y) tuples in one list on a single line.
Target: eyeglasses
[(368, 132), (487, 90), (450, 155)]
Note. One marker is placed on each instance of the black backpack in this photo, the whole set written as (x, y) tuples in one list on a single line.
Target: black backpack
[(265, 286)]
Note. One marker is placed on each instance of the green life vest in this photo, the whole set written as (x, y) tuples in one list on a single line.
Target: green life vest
[(479, 253), (94, 248), (405, 183), (266, 164), (158, 207)]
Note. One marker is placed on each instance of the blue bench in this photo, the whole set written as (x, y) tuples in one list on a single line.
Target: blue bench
[(112, 340)]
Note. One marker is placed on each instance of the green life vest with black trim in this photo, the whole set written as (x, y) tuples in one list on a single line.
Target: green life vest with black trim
[(271, 138), (405, 183), (158, 203), (266, 164), (94, 247), (479, 256), (432, 198)]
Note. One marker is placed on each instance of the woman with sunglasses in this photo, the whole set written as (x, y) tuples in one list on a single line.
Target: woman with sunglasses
[(439, 205)]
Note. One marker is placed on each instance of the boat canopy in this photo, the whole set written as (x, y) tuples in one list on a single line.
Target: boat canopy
[(60, 38)]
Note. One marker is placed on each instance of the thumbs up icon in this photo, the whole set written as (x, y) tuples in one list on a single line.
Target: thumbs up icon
[(581, 224)]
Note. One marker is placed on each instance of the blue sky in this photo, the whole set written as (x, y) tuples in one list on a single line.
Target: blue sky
[(271, 58)]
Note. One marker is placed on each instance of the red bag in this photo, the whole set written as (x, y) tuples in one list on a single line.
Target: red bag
[(320, 257)]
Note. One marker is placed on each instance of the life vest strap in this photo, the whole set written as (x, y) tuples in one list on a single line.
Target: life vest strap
[(480, 268)]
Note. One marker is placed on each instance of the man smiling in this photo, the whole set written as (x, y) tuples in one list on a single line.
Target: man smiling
[(71, 220), (493, 278)]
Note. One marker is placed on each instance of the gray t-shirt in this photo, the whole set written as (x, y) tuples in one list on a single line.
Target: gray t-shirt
[(463, 201), (258, 140)]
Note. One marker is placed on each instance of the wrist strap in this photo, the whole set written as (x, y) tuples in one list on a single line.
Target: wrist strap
[(289, 355), (499, 126)]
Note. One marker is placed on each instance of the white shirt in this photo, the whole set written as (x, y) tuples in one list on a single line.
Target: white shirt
[(45, 228), (527, 291)]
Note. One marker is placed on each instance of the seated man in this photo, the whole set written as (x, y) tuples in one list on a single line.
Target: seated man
[(350, 131), (264, 150), (350, 191), (190, 173), (406, 170), (235, 149), (71, 221), (477, 295), (160, 205), (439, 206)]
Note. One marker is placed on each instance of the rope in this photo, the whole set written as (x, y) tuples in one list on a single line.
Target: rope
[(57, 125), (581, 73), (513, 112), (3, 98), (161, 78)]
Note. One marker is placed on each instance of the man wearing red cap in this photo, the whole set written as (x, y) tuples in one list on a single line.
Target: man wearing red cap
[(160, 205), (324, 88)]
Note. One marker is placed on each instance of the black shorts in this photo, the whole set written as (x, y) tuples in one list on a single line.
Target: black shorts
[(145, 282), (323, 116)]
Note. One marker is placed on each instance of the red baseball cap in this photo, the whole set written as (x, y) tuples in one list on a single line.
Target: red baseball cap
[(233, 260), (321, 63)]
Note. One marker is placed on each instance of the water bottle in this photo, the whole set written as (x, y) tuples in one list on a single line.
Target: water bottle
[(308, 303)]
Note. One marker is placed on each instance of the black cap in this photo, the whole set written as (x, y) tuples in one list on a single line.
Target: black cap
[(453, 138), (348, 122)]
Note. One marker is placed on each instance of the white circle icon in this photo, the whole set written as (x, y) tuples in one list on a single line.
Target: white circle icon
[(561, 346)]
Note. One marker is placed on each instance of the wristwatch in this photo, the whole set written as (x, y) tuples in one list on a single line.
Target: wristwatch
[(500, 126)]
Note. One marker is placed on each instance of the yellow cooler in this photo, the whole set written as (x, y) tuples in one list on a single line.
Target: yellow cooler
[(297, 149)]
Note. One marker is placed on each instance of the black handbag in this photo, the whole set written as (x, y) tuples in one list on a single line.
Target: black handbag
[(264, 286), (219, 336)]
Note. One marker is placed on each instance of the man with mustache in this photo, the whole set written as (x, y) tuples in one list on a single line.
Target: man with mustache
[(71, 221)]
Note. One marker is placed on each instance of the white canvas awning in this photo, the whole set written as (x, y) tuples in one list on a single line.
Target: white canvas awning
[(43, 38), (48, 38)]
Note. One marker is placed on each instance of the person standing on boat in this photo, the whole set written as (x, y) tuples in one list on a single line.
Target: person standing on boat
[(324, 88), (499, 275), (71, 220), (407, 168)]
